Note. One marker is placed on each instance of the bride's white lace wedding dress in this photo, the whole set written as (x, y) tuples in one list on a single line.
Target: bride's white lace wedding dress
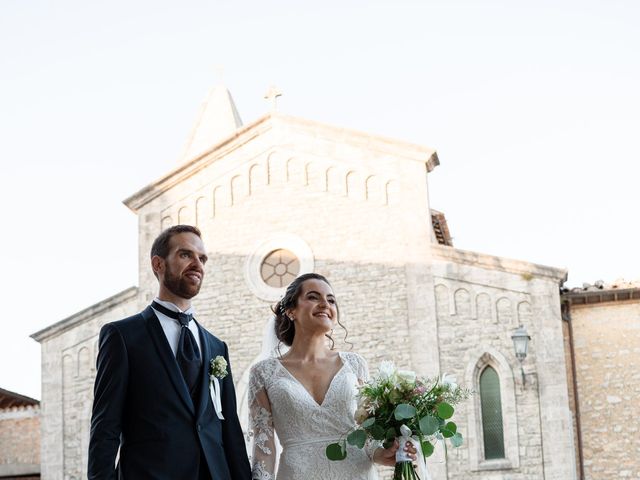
[(305, 428)]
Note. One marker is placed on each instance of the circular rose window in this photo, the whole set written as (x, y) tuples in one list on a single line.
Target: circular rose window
[(279, 268), (274, 263)]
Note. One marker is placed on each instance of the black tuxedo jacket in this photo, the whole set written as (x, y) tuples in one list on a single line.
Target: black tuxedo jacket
[(142, 405)]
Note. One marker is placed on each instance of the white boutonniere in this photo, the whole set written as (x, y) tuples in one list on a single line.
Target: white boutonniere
[(218, 367), (217, 371)]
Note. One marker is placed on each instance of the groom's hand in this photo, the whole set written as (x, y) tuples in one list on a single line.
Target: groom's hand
[(387, 456)]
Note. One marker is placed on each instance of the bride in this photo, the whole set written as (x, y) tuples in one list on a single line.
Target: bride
[(307, 395)]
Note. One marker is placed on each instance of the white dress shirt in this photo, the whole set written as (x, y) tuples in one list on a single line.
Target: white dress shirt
[(171, 326)]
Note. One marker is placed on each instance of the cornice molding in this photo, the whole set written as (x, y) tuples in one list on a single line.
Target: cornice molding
[(492, 262), (247, 133), (83, 315)]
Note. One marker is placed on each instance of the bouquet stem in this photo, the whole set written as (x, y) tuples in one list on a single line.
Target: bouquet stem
[(405, 471)]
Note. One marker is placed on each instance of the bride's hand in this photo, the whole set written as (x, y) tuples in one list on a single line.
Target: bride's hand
[(387, 456)]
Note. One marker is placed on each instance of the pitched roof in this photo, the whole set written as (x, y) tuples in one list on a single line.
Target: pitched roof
[(10, 399), (218, 119), (600, 292)]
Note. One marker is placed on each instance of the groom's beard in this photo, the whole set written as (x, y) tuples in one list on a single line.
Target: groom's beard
[(180, 286)]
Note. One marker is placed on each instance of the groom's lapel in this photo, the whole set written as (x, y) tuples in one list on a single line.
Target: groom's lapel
[(207, 355), (166, 355)]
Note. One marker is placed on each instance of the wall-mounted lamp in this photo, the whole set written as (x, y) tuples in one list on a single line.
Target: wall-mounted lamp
[(521, 344)]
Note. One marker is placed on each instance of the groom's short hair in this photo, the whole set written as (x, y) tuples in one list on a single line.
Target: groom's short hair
[(160, 245)]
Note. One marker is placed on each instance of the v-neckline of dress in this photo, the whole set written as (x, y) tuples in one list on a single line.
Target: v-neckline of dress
[(326, 394)]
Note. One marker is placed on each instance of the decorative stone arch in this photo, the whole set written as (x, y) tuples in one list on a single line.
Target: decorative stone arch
[(255, 176), (68, 370), (334, 179), (201, 211), (462, 300), (390, 192), (525, 314), (504, 311), (369, 187), (442, 300), (475, 440), (184, 216), (84, 362), (166, 222), (327, 178), (315, 176)]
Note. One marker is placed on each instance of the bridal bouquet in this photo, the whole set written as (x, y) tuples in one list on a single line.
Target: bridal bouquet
[(396, 404)]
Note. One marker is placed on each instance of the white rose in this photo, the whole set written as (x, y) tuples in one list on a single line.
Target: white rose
[(361, 414), (407, 375), (386, 370)]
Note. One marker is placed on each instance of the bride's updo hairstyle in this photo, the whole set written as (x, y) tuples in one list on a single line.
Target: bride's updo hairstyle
[(285, 328)]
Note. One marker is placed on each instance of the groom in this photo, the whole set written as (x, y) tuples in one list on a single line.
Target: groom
[(153, 396)]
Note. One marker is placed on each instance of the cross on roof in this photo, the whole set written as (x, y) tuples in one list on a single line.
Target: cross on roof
[(272, 96)]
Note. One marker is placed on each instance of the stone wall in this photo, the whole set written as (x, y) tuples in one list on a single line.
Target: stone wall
[(607, 349), (477, 310), (68, 373), (20, 441)]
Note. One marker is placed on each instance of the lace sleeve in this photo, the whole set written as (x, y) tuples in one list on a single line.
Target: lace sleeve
[(362, 372), (263, 458), (358, 366)]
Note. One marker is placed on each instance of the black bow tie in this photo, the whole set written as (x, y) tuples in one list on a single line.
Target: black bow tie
[(182, 318)]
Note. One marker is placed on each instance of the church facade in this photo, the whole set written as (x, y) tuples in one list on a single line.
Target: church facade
[(283, 196)]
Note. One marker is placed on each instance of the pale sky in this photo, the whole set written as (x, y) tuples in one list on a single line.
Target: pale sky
[(533, 107)]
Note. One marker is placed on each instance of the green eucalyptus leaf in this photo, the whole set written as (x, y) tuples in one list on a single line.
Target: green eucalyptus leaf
[(404, 411), (429, 425), (368, 422), (445, 410), (357, 438), (446, 433), (336, 452), (427, 448), (456, 440), (448, 430), (452, 427), (391, 434)]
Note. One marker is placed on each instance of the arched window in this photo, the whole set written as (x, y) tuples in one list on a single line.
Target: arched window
[(491, 408)]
